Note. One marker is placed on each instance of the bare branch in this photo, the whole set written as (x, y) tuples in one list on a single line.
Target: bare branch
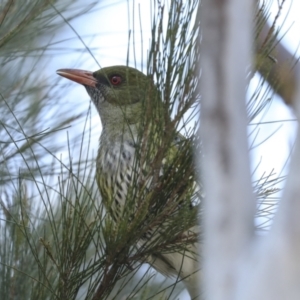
[(274, 62), (279, 261)]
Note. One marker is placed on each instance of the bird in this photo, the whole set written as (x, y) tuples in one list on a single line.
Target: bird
[(142, 156)]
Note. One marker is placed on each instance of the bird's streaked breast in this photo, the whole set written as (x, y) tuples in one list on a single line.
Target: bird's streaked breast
[(114, 172)]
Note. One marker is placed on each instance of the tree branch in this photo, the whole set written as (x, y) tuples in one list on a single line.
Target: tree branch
[(229, 203), (274, 62)]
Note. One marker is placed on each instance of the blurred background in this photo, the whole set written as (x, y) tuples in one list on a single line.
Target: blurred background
[(48, 123)]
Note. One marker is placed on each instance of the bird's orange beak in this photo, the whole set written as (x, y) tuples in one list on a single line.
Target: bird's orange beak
[(79, 76)]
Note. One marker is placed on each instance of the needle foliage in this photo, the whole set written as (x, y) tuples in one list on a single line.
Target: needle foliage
[(57, 241)]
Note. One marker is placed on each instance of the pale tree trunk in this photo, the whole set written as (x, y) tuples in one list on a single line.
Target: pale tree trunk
[(238, 265)]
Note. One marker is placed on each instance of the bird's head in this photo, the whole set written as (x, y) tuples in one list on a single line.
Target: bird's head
[(120, 93)]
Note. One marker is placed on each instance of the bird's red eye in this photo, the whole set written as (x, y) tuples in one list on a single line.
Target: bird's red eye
[(115, 80)]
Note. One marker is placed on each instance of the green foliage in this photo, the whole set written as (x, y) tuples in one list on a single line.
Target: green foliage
[(56, 241)]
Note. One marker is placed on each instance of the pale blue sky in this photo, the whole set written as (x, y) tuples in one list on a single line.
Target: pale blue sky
[(274, 152)]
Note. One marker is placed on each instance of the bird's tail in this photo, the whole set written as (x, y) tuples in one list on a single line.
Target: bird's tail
[(184, 263)]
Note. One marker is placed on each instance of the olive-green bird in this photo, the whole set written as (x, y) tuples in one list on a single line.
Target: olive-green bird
[(135, 123)]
